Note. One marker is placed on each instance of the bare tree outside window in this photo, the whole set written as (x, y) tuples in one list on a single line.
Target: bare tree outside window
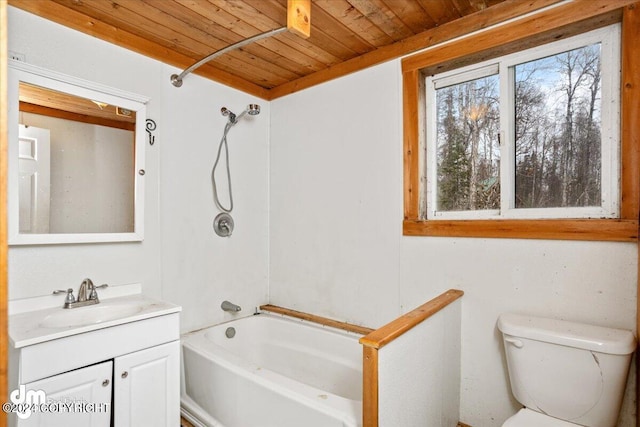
[(533, 134), (557, 136), (468, 152), (557, 132)]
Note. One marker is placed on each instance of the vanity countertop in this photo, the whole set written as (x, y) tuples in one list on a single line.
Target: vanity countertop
[(40, 325)]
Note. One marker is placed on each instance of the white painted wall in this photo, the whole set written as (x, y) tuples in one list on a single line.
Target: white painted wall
[(336, 201), (200, 269), (336, 246), (180, 259)]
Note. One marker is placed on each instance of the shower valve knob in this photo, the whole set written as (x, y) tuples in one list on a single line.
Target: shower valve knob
[(223, 225)]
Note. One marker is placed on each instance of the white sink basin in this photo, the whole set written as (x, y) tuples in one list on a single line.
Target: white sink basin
[(90, 315), (41, 319)]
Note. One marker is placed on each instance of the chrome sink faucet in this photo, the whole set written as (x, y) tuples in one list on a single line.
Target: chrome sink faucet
[(87, 295)]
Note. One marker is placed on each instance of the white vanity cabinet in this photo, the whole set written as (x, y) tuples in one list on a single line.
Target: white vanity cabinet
[(130, 363), (146, 387), (90, 384)]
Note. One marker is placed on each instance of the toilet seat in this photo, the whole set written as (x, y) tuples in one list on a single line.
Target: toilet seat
[(528, 418)]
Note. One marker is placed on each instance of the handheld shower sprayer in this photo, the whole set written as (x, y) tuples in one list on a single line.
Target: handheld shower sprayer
[(252, 110), (223, 224)]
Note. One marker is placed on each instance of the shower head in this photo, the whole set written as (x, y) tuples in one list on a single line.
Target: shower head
[(253, 109)]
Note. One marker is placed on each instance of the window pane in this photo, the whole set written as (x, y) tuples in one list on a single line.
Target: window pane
[(468, 153), (557, 130)]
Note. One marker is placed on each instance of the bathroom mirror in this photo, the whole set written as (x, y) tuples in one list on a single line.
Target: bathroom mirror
[(76, 159)]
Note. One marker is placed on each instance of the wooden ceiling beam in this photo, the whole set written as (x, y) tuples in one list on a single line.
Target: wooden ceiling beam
[(299, 17)]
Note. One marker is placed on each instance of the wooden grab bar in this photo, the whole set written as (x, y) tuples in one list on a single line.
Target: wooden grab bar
[(317, 319), (387, 333)]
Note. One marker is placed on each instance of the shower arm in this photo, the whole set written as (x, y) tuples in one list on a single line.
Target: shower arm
[(176, 79)]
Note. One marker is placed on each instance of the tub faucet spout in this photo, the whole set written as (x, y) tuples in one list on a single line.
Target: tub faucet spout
[(229, 306)]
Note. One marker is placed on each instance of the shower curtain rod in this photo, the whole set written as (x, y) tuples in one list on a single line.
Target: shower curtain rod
[(176, 79)]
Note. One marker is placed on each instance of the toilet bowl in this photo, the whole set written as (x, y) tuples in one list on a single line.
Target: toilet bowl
[(565, 374), (528, 418)]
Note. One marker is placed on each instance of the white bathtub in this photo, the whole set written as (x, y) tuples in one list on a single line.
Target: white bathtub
[(275, 372)]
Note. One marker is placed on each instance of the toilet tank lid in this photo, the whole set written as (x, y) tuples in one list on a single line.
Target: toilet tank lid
[(562, 332)]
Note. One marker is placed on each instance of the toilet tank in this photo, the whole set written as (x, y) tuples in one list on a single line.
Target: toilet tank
[(567, 370)]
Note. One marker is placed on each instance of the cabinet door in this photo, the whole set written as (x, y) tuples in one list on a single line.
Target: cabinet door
[(80, 398), (147, 387)]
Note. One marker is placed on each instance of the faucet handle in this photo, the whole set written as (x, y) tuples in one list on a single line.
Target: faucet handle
[(70, 298), (94, 293)]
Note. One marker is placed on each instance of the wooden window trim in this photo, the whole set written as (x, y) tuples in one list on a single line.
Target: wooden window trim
[(551, 24)]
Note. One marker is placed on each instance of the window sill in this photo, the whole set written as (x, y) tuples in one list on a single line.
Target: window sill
[(614, 230)]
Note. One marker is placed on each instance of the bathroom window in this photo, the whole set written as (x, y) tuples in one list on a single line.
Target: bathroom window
[(527, 130), (534, 134)]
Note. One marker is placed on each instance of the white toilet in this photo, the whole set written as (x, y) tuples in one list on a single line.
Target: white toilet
[(565, 374)]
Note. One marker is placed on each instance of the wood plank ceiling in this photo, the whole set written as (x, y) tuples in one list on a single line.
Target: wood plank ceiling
[(346, 35), (43, 101)]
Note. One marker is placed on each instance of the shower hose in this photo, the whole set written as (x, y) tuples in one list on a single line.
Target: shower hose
[(223, 143)]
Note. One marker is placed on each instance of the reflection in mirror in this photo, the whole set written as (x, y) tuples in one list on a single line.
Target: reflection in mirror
[(76, 160)]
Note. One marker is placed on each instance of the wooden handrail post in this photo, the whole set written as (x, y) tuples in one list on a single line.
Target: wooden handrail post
[(385, 335)]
